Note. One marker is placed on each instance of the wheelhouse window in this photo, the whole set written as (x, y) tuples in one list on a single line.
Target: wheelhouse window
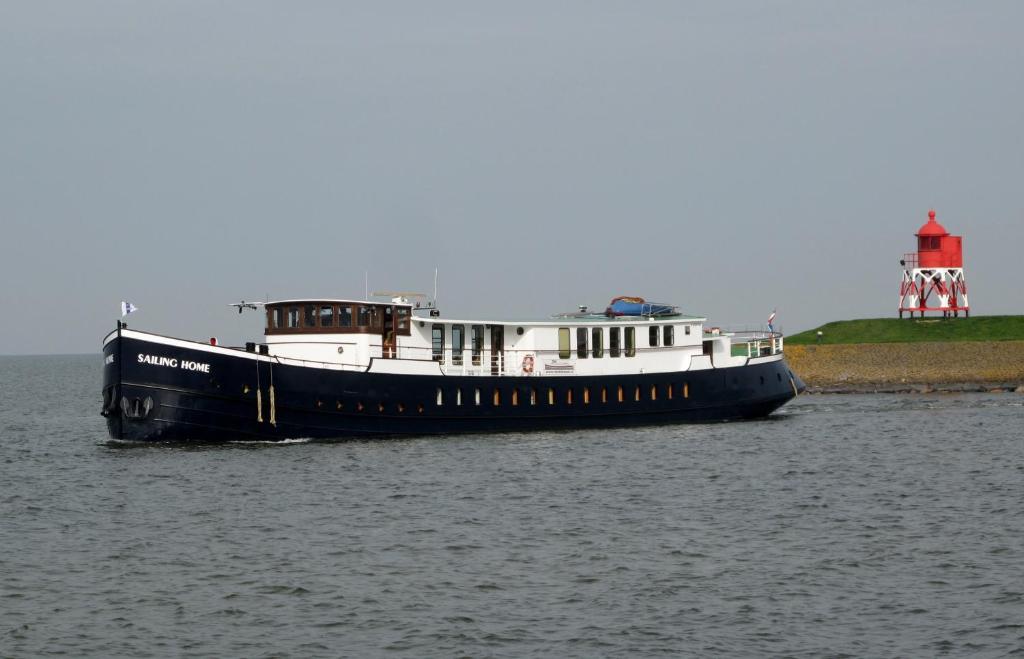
[(277, 317), (345, 315), (564, 349), (309, 316), (653, 335), (363, 315), (403, 316), (437, 342), (478, 343), (631, 342), (581, 342), (614, 342), (293, 317), (326, 316), (597, 337), (458, 343), (668, 336)]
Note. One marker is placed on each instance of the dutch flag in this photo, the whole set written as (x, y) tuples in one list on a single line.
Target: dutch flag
[(127, 308)]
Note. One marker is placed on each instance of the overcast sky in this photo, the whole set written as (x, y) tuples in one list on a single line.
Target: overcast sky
[(728, 157)]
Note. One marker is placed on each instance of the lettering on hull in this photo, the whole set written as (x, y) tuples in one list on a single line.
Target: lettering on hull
[(173, 362)]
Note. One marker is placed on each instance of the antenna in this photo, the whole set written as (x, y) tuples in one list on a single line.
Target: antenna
[(435, 287), (366, 285)]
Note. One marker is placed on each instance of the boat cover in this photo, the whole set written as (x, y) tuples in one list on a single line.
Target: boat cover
[(637, 306)]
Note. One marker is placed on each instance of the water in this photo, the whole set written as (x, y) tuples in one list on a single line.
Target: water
[(869, 525)]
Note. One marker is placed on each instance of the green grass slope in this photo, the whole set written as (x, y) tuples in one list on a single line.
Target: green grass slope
[(905, 330)]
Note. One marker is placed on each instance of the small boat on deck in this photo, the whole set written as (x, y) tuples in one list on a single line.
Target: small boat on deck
[(347, 368)]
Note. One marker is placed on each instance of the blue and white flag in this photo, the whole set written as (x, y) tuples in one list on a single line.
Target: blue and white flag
[(127, 308), (771, 319)]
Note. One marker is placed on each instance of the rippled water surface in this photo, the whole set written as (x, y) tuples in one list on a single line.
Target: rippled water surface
[(863, 525)]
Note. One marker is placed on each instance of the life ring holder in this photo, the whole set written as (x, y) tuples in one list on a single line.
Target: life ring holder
[(527, 364)]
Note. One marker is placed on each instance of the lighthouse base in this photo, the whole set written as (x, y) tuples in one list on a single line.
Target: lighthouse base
[(942, 290)]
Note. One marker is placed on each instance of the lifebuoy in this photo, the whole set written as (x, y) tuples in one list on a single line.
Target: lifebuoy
[(528, 364)]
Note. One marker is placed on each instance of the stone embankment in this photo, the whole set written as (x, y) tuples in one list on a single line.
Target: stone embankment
[(923, 367)]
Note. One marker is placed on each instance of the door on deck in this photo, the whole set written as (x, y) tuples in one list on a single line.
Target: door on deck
[(497, 349), (388, 344)]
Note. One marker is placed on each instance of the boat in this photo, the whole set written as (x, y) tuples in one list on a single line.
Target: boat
[(357, 368)]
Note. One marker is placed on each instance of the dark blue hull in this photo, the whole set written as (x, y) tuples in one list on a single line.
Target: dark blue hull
[(194, 394)]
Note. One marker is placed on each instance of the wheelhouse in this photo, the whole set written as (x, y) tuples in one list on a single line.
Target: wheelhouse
[(338, 317)]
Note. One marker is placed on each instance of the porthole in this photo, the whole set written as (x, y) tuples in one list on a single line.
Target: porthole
[(401, 408), (568, 396), (586, 395), (551, 396), (380, 407), (419, 408), (654, 392), (636, 393), (359, 406), (686, 390), (338, 405), (669, 391), (519, 331), (604, 394), (622, 396)]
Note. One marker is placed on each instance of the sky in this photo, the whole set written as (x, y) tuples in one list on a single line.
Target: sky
[(732, 158)]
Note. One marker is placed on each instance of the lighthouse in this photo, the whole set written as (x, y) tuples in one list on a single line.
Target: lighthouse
[(933, 276)]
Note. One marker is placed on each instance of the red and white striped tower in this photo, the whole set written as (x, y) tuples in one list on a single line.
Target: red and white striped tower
[(933, 277)]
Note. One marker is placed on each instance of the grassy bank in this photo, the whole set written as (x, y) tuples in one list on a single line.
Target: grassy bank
[(917, 330)]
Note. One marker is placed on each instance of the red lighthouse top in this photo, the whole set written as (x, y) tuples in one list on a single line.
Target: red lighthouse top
[(931, 227), (936, 248)]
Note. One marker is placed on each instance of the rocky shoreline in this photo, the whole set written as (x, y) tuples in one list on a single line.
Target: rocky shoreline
[(937, 367)]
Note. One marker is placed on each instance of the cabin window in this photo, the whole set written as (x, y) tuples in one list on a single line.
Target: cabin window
[(458, 397), (586, 395), (551, 396), (309, 317), (326, 316), (581, 342), (613, 342), (440, 396), (686, 390), (497, 397), (476, 396), (478, 343), (687, 330), (563, 343), (669, 336), (515, 397), (652, 338), (533, 396), (458, 343), (597, 336), (654, 392), (363, 315), (277, 317), (345, 315), (631, 342), (604, 394), (670, 391), (293, 317), (622, 396), (636, 393), (437, 342)]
